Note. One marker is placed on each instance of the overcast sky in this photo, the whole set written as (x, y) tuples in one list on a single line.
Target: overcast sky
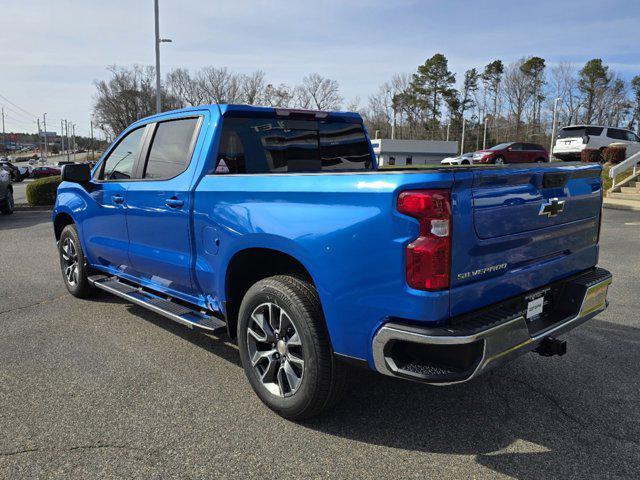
[(52, 51)]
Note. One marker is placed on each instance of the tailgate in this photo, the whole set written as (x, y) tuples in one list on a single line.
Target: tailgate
[(525, 226)]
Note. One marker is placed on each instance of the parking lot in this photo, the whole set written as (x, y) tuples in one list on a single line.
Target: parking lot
[(104, 389)]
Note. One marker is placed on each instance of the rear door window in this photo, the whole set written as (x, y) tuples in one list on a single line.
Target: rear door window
[(171, 149), (270, 145), (616, 134)]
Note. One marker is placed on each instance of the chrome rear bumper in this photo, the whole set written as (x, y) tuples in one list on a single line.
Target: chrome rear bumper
[(458, 353)]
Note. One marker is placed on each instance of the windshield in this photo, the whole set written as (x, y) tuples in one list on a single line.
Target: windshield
[(272, 145), (500, 146)]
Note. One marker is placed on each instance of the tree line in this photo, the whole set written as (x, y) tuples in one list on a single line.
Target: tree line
[(515, 101)]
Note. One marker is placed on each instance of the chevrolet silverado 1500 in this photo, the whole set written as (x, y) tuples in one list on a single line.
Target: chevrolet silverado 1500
[(277, 226)]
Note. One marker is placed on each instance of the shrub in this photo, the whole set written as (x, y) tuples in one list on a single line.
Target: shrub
[(590, 155), (43, 191), (614, 155)]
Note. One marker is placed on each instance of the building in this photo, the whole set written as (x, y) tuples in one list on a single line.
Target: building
[(412, 152)]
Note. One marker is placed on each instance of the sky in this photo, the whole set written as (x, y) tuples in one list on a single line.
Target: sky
[(51, 52)]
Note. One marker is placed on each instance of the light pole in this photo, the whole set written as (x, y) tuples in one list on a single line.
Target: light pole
[(462, 139), (484, 139), (553, 126), (46, 142), (158, 41)]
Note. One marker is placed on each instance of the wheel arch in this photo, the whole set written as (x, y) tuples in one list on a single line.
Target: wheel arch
[(248, 266), (61, 220)]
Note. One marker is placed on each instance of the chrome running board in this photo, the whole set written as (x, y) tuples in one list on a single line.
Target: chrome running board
[(166, 307)]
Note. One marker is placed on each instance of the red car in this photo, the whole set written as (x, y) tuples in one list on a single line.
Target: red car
[(513, 152), (40, 172)]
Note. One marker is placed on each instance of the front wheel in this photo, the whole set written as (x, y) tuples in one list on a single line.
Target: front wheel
[(75, 270), (499, 161), (285, 348), (8, 205)]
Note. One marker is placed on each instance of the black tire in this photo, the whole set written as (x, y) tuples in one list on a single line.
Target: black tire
[(76, 281), (541, 160), (499, 160), (8, 205), (322, 380), (465, 162)]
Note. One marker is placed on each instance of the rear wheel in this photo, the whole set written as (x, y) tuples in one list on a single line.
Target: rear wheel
[(8, 205), (540, 160), (499, 161), (285, 348), (73, 264)]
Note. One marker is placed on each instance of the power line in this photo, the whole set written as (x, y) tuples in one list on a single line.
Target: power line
[(17, 112), (18, 106)]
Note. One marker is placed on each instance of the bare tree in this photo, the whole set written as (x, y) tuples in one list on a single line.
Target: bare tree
[(253, 87), (219, 85), (517, 91), (278, 96), (563, 84), (318, 92), (185, 87), (128, 96)]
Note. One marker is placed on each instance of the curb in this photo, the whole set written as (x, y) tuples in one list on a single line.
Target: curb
[(616, 206), (25, 207)]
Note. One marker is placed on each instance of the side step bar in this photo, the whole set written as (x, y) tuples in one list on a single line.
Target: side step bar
[(167, 308)]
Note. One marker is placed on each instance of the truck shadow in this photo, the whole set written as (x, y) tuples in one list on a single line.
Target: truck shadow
[(536, 418)]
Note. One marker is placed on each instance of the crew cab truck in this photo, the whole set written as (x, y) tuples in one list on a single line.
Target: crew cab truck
[(277, 226)]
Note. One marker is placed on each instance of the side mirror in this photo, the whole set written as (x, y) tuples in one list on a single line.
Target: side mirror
[(509, 149), (76, 173)]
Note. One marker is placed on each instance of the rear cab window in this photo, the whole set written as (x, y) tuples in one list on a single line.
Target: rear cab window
[(273, 145)]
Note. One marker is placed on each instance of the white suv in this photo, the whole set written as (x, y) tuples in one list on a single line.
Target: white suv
[(575, 138)]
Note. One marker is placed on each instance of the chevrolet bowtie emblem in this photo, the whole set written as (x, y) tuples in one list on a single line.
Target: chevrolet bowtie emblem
[(552, 208)]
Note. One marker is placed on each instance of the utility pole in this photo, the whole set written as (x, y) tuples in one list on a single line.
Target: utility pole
[(39, 141), (66, 124), (448, 127), (61, 137), (73, 140), (93, 152), (462, 140), (393, 125), (3, 141), (553, 127), (46, 142), (158, 42)]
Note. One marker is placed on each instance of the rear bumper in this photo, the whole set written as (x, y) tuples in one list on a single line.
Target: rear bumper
[(480, 341)]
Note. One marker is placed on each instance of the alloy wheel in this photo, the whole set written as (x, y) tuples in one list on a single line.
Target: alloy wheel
[(70, 261), (275, 349)]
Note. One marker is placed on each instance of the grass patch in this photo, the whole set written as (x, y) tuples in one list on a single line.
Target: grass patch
[(607, 182)]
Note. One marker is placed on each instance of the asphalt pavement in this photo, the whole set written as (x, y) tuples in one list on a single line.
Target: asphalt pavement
[(103, 389)]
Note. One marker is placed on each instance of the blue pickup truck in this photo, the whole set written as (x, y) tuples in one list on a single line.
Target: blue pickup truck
[(277, 226)]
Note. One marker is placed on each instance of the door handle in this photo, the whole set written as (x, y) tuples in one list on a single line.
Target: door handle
[(117, 198), (174, 202)]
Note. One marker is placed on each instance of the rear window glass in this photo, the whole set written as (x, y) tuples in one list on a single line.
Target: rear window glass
[(579, 132), (270, 145), (171, 149)]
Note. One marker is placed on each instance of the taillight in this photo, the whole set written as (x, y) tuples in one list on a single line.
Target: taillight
[(429, 255), (585, 139)]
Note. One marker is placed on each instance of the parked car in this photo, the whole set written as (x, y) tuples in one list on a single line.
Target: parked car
[(40, 172), (14, 172), (512, 152), (6, 191), (464, 159), (575, 138), (276, 225)]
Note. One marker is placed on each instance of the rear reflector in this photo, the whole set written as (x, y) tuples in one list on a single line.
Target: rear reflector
[(429, 255)]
